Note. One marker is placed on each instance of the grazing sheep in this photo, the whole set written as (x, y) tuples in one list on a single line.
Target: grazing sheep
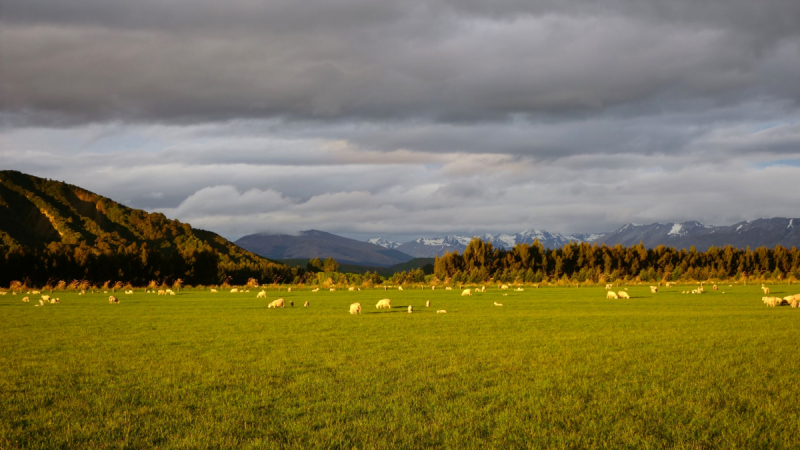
[(333, 289), (55, 300), (498, 304), (213, 291), (795, 302), (433, 288), (519, 289), (385, 303), (305, 305), (351, 289), (41, 302), (355, 308), (715, 287), (112, 299), (35, 292), (612, 295), (623, 294), (410, 309), (765, 289), (25, 299), (466, 292), (653, 289), (234, 290), (441, 311), (315, 290), (448, 288), (261, 294), (171, 293), (276, 303), (46, 298), (162, 292), (399, 288), (504, 286), (428, 304), (608, 286), (483, 288), (289, 290), (128, 292)]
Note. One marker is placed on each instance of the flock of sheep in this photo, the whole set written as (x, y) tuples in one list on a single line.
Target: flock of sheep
[(792, 300)]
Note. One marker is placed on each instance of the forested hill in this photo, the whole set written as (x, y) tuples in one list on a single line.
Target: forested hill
[(54, 230)]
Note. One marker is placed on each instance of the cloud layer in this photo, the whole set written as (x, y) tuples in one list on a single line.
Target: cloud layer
[(414, 117)]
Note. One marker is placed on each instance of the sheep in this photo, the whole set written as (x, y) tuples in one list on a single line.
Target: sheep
[(448, 288), (765, 289), (399, 288), (305, 305), (333, 289), (128, 292), (483, 288), (162, 292), (519, 289), (498, 304), (261, 294), (234, 290), (428, 304), (112, 299), (715, 287), (466, 292), (25, 299), (351, 289), (612, 295), (213, 291), (623, 294), (385, 303), (653, 289), (504, 286), (608, 286), (41, 302), (795, 302), (433, 288), (105, 292), (355, 308), (55, 300), (276, 303), (46, 298), (410, 309), (171, 293), (315, 290), (536, 286), (289, 290), (35, 292), (441, 311)]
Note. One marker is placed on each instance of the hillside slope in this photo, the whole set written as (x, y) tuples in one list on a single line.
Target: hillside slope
[(319, 244), (50, 229)]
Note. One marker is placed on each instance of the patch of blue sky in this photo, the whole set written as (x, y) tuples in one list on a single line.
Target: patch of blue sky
[(793, 162)]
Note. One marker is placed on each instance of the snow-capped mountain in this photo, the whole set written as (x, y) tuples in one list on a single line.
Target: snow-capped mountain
[(383, 242), (756, 233), (430, 247)]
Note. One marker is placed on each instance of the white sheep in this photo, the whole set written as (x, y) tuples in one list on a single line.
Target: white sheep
[(276, 303), (623, 294), (399, 288), (289, 290), (609, 286), (504, 286), (315, 290), (448, 288), (305, 305), (441, 311), (355, 308), (46, 298), (428, 304), (351, 289), (765, 289), (112, 299), (333, 289), (25, 299), (498, 304), (519, 289), (612, 295), (385, 303), (410, 309), (162, 292), (261, 294), (35, 292), (234, 290), (653, 289), (213, 291), (466, 292)]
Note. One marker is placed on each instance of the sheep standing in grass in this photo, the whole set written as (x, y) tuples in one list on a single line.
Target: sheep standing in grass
[(448, 288), (653, 289), (466, 292), (351, 289), (410, 309), (428, 304), (385, 303), (213, 291), (608, 286), (276, 303), (399, 288), (162, 292), (612, 295), (261, 294), (305, 305), (25, 299), (519, 289), (234, 290), (483, 288), (498, 304), (315, 290), (41, 302), (441, 311), (623, 294), (765, 289), (112, 299), (46, 298), (355, 308), (289, 290), (504, 286)]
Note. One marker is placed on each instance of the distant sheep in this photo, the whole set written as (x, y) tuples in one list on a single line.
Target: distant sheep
[(623, 294), (128, 292), (466, 292), (504, 286), (653, 289), (234, 290), (315, 290), (441, 311), (498, 304), (483, 288), (519, 289), (162, 292), (399, 288), (715, 287), (41, 302), (305, 305), (433, 288), (333, 289), (385, 303), (410, 309), (112, 299), (428, 304), (169, 291), (765, 289), (609, 286), (46, 298), (213, 291), (261, 294), (448, 288), (612, 295), (25, 299), (355, 308), (289, 290), (351, 289), (35, 292), (276, 303)]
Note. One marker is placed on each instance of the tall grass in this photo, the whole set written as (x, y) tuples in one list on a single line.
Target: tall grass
[(552, 368)]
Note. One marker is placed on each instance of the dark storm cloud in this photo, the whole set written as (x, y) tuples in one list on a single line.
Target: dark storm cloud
[(187, 62)]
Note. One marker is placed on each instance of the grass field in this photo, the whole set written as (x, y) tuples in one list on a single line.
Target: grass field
[(552, 368)]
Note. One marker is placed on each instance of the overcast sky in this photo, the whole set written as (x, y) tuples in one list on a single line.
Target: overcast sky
[(410, 118)]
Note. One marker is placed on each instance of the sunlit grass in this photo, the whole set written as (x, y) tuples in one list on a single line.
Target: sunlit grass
[(552, 368)]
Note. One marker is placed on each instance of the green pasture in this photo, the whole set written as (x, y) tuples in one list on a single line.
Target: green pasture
[(552, 368)]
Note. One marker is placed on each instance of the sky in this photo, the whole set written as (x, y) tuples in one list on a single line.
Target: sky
[(410, 118)]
